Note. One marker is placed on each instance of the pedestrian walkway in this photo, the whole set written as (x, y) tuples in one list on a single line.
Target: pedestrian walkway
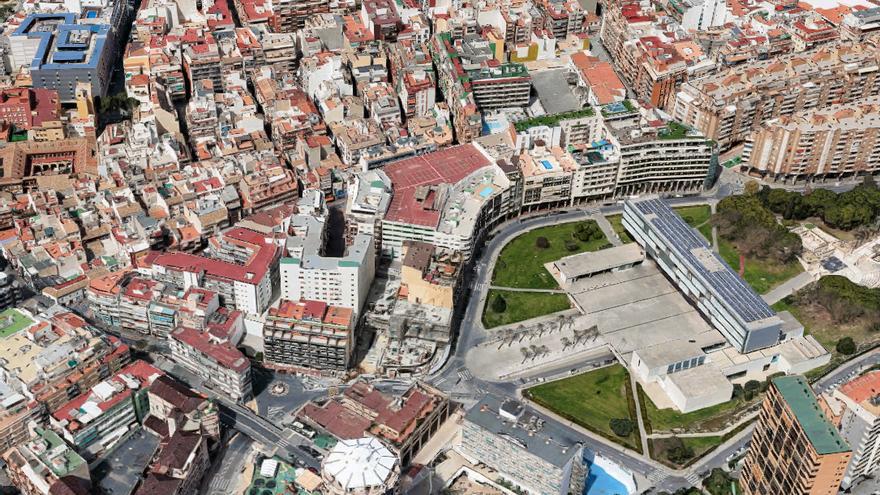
[(643, 435), (789, 287), (608, 230)]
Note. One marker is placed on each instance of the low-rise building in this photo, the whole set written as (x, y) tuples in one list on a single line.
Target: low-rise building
[(44, 464), (535, 455), (403, 423), (98, 419)]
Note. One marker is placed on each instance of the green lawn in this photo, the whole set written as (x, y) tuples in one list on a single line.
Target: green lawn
[(592, 400), (13, 321), (700, 446), (698, 217), (616, 222), (521, 263), (708, 419), (522, 306), (762, 275)]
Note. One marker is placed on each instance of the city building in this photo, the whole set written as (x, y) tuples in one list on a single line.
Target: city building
[(307, 274), (854, 408), (535, 455), (211, 354), (834, 142), (98, 419), (61, 52), (860, 25), (794, 449), (721, 295), (403, 423), (445, 198), (361, 466), (246, 285), (308, 334), (44, 463), (729, 105)]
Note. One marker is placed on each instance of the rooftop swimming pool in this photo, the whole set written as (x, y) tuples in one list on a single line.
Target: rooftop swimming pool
[(547, 165), (607, 478), (485, 192)]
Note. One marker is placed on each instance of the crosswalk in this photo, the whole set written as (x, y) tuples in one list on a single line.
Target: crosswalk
[(693, 479), (465, 374), (275, 413), (656, 476)]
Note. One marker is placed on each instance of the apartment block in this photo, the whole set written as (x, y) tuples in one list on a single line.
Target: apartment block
[(306, 274), (860, 25), (308, 334), (833, 142), (98, 419), (500, 85), (795, 449), (536, 456), (854, 408), (245, 286), (44, 464), (729, 105), (211, 354)]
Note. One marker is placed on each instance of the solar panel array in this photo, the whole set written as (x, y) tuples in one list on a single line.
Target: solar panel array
[(727, 285)]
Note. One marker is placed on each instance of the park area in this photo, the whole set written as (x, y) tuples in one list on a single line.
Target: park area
[(762, 274), (521, 266), (521, 262), (594, 400), (842, 316), (520, 306)]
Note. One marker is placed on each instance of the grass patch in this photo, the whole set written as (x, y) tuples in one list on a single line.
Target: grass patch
[(522, 306), (819, 323), (592, 400), (762, 275), (708, 419), (521, 263), (616, 222), (13, 321), (698, 445)]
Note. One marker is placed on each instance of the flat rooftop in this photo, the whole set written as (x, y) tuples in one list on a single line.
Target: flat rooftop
[(802, 402), (690, 247), (552, 442), (554, 92), (447, 166), (638, 308), (582, 264)]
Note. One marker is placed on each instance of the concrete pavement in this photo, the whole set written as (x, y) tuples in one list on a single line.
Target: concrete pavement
[(788, 287)]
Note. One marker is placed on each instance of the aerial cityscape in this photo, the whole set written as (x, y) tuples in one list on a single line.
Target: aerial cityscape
[(493, 247)]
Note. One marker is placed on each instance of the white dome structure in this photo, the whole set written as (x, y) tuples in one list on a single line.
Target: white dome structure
[(361, 466)]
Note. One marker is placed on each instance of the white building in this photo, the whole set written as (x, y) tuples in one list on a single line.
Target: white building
[(308, 275), (700, 15), (361, 466)]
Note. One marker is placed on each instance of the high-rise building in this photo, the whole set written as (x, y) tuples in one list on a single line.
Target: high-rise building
[(837, 141), (729, 105), (795, 450), (855, 408)]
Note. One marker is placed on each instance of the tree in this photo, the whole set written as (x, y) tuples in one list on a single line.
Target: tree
[(499, 304), (678, 452), (621, 427), (526, 354), (571, 246), (846, 346), (542, 243), (752, 187)]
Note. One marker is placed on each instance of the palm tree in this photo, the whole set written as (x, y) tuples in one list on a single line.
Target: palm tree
[(525, 354), (560, 322), (544, 350), (535, 350)]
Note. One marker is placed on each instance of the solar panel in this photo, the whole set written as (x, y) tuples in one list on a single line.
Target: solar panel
[(683, 240)]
